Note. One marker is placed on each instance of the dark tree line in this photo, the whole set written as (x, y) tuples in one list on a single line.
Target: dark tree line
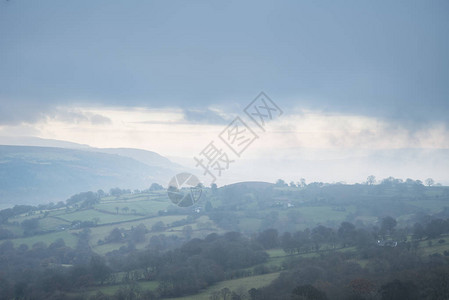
[(38, 272)]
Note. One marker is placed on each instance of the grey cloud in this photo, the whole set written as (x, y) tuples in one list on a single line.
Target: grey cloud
[(386, 60), (77, 116), (204, 116), (99, 120), (14, 112)]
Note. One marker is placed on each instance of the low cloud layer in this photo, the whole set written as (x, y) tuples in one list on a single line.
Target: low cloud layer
[(312, 144), (178, 133)]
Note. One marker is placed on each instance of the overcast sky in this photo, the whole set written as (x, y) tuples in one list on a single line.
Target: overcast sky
[(168, 76)]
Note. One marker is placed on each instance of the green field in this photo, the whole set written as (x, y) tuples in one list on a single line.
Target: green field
[(69, 239), (241, 284), (112, 289), (91, 214)]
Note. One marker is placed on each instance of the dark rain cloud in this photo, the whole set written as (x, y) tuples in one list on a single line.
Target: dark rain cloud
[(386, 59)]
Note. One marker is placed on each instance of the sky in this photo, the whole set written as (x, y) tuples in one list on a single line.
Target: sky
[(354, 79)]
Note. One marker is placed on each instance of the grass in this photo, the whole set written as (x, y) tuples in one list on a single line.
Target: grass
[(249, 224), (146, 207), (276, 258), (100, 232), (51, 223), (276, 253), (245, 284), (104, 218), (69, 239), (436, 246), (321, 214), (112, 289), (430, 205)]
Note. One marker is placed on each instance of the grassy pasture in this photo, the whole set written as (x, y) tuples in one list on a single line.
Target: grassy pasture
[(146, 207), (245, 284), (112, 289), (91, 214), (69, 239), (430, 205), (50, 223)]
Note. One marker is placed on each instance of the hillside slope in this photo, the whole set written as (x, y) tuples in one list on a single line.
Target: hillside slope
[(31, 175)]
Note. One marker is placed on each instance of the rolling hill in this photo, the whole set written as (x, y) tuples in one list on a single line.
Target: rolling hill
[(32, 175)]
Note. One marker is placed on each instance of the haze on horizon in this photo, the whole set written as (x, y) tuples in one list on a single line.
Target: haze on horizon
[(363, 85)]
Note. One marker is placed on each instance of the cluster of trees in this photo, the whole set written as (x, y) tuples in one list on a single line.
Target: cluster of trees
[(308, 240), (389, 273), (133, 236), (85, 199), (371, 180), (5, 214), (263, 201), (282, 183), (37, 272), (431, 229), (193, 266), (400, 272)]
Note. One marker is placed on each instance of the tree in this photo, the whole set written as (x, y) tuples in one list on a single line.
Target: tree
[(347, 233), (138, 233), (254, 293), (361, 287), (371, 180), (435, 228), (156, 187), (5, 234), (280, 182), (115, 236), (397, 289), (158, 226), (308, 292), (187, 231), (320, 234), (98, 269), (287, 243), (268, 238), (101, 193), (225, 293), (418, 231), (115, 192), (208, 207), (388, 224), (30, 226), (429, 182)]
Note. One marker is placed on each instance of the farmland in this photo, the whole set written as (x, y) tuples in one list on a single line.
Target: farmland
[(130, 225)]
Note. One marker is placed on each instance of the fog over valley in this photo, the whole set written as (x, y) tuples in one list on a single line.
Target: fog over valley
[(224, 150)]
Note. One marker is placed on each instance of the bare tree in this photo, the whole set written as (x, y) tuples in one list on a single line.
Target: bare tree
[(429, 182)]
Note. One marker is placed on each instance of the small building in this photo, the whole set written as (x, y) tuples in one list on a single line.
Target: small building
[(387, 243)]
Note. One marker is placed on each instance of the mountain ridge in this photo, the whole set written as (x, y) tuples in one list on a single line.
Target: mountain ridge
[(34, 174)]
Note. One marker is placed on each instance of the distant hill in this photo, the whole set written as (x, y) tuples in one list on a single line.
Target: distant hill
[(31, 175), (147, 157), (39, 142), (254, 185)]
